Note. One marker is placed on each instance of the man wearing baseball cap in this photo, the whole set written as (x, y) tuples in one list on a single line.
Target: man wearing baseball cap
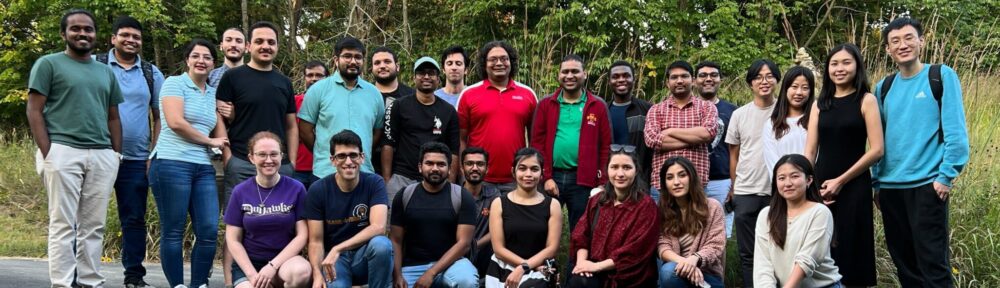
[(413, 120)]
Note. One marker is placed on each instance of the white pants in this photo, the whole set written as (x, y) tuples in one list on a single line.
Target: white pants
[(79, 183)]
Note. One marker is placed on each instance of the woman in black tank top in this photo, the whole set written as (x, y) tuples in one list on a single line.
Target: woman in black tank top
[(525, 229)]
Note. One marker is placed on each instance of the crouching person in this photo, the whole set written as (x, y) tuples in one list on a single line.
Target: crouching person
[(346, 213)]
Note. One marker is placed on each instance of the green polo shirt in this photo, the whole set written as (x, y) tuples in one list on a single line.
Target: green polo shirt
[(566, 149)]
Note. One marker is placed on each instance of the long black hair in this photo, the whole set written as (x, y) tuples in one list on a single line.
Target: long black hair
[(777, 217), (861, 83), (784, 106)]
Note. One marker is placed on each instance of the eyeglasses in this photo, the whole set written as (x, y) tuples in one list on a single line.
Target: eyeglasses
[(475, 163), (272, 155), (136, 37), (197, 57), (356, 57), (426, 73), (343, 156), (620, 148), (709, 75), (768, 77), (503, 59)]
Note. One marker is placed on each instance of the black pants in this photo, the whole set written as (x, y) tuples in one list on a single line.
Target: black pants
[(577, 281), (744, 222), (916, 235)]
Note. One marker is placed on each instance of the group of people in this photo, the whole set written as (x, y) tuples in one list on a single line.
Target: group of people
[(464, 185)]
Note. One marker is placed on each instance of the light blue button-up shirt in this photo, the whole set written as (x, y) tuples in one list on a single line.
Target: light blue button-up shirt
[(134, 112)]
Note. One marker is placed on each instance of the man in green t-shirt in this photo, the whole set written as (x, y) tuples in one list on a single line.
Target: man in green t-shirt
[(73, 113)]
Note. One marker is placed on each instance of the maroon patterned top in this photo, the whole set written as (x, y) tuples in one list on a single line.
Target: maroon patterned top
[(626, 234)]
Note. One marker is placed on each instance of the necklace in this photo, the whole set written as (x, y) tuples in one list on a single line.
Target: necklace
[(263, 199)]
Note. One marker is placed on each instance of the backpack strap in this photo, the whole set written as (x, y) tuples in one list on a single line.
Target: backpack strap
[(456, 197), (934, 77), (886, 85), (147, 72), (408, 193)]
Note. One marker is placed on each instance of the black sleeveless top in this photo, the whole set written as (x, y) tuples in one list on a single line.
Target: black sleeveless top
[(843, 138), (525, 227)]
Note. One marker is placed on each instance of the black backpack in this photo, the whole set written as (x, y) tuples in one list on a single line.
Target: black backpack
[(934, 75), (147, 72)]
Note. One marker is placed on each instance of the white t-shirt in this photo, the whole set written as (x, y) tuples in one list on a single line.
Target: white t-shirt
[(745, 127), (793, 142)]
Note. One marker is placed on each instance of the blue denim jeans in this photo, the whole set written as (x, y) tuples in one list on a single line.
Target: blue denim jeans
[(718, 189), (369, 264), (669, 279), (655, 194), (573, 196), (131, 193), (306, 177), (181, 188), (461, 274)]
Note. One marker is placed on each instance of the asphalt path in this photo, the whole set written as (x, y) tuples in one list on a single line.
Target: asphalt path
[(26, 272)]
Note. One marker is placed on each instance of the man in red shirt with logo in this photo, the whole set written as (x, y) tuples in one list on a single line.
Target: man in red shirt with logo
[(495, 113)]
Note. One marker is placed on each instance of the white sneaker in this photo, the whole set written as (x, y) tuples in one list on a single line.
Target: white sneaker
[(180, 286)]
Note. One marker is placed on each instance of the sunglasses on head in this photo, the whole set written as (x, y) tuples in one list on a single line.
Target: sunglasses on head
[(620, 148)]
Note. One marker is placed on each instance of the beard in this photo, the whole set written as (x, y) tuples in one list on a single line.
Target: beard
[(234, 58), (468, 178), (83, 49), (386, 80), (426, 90), (435, 178), (347, 75)]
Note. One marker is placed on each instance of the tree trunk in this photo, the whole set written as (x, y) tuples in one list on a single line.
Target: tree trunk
[(246, 18)]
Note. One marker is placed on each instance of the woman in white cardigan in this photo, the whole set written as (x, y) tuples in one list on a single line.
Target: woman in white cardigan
[(792, 248)]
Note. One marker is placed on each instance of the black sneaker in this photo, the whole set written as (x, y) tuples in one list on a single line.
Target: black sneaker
[(138, 284)]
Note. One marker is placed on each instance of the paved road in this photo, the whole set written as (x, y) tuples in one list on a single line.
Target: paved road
[(22, 272)]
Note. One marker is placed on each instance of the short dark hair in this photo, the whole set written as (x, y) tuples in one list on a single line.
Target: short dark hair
[(758, 64), (899, 23), (65, 18), (199, 42), (622, 63), (346, 138), (573, 57), (475, 150), (317, 63), (348, 42), (525, 153), (511, 54), (125, 21), (456, 50), (435, 147), (222, 36), (680, 64), (263, 24), (708, 64), (385, 49)]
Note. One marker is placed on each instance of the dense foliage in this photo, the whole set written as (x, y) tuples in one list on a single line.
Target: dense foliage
[(650, 33)]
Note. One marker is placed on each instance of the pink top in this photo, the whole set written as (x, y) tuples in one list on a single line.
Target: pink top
[(710, 243)]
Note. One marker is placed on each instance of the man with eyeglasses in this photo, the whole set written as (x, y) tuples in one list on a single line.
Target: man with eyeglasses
[(682, 125), (263, 100), (140, 82), (413, 120), (628, 115), (708, 79), (346, 213), (495, 113), (343, 101), (314, 71), (73, 114), (571, 127), (475, 163)]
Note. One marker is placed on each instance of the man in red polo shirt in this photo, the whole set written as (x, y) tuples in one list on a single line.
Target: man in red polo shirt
[(495, 114), (315, 71)]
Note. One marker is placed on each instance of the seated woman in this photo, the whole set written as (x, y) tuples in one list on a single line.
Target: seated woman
[(525, 226), (693, 242), (264, 230), (792, 248), (615, 239)]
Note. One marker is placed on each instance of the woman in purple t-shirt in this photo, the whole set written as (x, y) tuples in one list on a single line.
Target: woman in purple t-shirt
[(264, 230)]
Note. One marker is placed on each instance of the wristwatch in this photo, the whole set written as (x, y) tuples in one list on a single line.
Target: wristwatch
[(525, 267)]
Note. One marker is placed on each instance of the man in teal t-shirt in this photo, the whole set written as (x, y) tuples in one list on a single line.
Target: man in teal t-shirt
[(73, 113), (926, 147)]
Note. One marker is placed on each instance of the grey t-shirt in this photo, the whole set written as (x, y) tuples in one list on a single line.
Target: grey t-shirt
[(745, 127)]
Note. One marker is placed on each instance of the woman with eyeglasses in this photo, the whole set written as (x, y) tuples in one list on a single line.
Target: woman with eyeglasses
[(616, 236), (693, 239), (181, 173), (792, 248), (525, 225), (785, 133), (845, 140), (264, 230)]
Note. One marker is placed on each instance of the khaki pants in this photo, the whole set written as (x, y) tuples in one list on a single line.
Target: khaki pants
[(79, 183)]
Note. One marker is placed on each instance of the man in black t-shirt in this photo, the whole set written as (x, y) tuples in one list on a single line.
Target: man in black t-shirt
[(385, 70), (263, 100), (414, 120), (475, 163), (431, 232)]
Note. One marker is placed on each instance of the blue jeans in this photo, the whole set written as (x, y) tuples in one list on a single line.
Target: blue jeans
[(718, 189), (669, 279), (371, 263), (306, 177), (131, 193), (573, 196), (655, 194), (181, 188), (461, 274)]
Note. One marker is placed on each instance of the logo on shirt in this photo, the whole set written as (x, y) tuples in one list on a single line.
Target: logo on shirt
[(921, 95), (257, 210), (437, 126), (516, 97), (592, 119), (485, 212), (358, 214)]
